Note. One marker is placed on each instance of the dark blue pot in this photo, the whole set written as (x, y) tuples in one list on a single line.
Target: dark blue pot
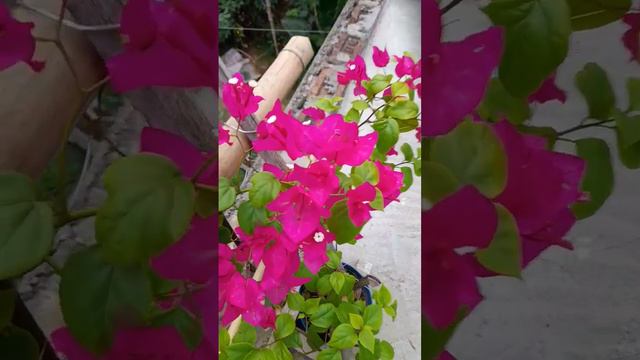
[(302, 324)]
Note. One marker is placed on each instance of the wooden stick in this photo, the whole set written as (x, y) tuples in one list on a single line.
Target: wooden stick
[(276, 82)]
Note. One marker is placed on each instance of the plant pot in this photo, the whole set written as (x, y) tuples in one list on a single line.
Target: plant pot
[(302, 324)]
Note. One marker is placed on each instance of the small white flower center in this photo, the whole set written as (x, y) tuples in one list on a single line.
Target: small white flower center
[(365, 202), (233, 81), (318, 237), (253, 83), (307, 122), (271, 119), (352, 67)]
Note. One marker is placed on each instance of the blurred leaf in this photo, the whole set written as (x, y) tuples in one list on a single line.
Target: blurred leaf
[(590, 14), (598, 179), (226, 194), (629, 128), (593, 83), (18, 344), (285, 326), (7, 304), (504, 253), (633, 89), (499, 104)]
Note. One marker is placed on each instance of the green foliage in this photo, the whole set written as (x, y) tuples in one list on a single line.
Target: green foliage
[(498, 104), (536, 40), (226, 194), (26, 225), (249, 217), (598, 179), (143, 190), (18, 344), (590, 14), (340, 224), (593, 83), (504, 254), (264, 188)]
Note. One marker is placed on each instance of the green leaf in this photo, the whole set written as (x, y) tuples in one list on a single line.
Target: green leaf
[(536, 41), (95, 295), (264, 188), (246, 334), (434, 340), (324, 316), (399, 88), (474, 155), (261, 354), (324, 285), (376, 85), (403, 110), (190, 328), (439, 184), (343, 337), (239, 351), (311, 305), (352, 116), (373, 316), (417, 166), (629, 127), (295, 301), (360, 105), (367, 172), (7, 304), (388, 134), (224, 235), (18, 344), (206, 201), (590, 14), (285, 326), (226, 194), (407, 178), (344, 310), (340, 224), (335, 259), (281, 352), (293, 341), (150, 206), (224, 340), (633, 89), (546, 132), (366, 339), (329, 354), (498, 103), (378, 201), (249, 217), (315, 341), (384, 296), (390, 311), (26, 226), (504, 253), (593, 83), (598, 179), (337, 281), (629, 156), (326, 105), (407, 151), (356, 321), (386, 351)]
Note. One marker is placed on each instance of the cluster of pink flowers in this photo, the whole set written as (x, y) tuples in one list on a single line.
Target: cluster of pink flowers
[(303, 207), (458, 74)]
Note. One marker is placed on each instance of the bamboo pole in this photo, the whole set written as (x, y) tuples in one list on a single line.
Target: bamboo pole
[(276, 83)]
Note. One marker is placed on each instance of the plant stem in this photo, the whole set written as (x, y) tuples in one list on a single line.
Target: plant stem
[(372, 114), (450, 6), (79, 215), (580, 127)]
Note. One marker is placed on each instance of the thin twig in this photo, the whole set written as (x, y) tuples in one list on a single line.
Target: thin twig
[(450, 6), (583, 126)]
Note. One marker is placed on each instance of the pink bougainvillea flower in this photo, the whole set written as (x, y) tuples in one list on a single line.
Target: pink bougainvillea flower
[(407, 67), (631, 37), (135, 344), (457, 73), (392, 152), (16, 42), (244, 297), (380, 57), (389, 182), (338, 141), (225, 266), (299, 214), (448, 276), (358, 203), (168, 44), (280, 267), (192, 257), (319, 179), (261, 238), (280, 132), (314, 113), (314, 249), (543, 216), (223, 135), (548, 91), (356, 70), (186, 156), (238, 98)]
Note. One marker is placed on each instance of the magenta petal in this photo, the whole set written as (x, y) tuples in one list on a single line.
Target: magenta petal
[(440, 224), (548, 91), (193, 257), (223, 135), (16, 42), (451, 283), (299, 214), (380, 57), (445, 355), (358, 201), (315, 255), (64, 343), (631, 38), (457, 78), (433, 26)]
